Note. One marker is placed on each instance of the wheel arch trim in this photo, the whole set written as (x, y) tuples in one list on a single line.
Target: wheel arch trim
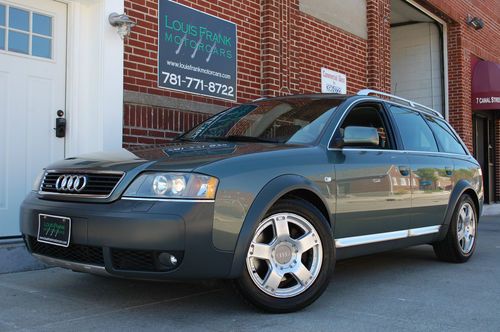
[(265, 199), (460, 188)]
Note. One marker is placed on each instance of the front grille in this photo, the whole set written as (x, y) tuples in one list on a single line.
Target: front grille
[(99, 184), (74, 252), (141, 260)]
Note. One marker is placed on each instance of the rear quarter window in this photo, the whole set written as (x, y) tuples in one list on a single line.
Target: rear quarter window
[(414, 131), (448, 141)]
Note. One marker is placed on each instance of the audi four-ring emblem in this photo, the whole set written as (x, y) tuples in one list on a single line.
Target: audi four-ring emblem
[(71, 183)]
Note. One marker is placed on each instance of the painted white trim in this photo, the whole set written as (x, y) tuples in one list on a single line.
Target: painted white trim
[(94, 79), (445, 52), (387, 236)]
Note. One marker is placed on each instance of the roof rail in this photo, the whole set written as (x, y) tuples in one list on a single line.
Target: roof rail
[(366, 92)]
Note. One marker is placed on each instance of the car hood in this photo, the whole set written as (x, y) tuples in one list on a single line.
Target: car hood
[(176, 156)]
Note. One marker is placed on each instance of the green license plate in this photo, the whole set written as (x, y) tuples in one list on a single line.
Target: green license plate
[(54, 230)]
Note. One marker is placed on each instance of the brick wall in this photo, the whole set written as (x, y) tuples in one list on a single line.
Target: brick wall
[(280, 51), (155, 125), (379, 42)]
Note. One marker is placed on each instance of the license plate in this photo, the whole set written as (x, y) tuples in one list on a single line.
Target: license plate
[(54, 230)]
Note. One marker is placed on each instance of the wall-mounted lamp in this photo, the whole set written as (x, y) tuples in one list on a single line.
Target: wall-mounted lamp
[(123, 23), (475, 22)]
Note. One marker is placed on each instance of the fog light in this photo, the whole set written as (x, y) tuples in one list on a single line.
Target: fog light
[(167, 259), (173, 260)]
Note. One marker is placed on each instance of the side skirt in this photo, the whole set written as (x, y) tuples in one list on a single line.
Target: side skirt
[(373, 243)]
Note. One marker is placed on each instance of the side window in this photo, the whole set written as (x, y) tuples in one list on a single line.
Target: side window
[(415, 133), (447, 140), (368, 115)]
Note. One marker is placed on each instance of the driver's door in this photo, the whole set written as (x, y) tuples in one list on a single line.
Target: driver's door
[(373, 182)]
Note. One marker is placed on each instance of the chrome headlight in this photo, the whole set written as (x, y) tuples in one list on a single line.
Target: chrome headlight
[(173, 185), (38, 181)]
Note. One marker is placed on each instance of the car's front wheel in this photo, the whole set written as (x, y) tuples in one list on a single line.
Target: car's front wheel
[(290, 258)]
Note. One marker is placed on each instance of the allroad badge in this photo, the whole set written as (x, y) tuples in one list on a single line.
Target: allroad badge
[(71, 183)]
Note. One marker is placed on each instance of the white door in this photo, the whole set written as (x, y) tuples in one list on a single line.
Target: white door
[(32, 90)]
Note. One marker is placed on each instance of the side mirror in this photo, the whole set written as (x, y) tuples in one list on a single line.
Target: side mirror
[(360, 136)]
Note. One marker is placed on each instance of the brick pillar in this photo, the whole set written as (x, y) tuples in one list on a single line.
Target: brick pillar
[(497, 157), (379, 44), (279, 57), (459, 84)]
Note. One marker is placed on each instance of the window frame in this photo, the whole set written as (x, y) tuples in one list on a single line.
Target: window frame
[(386, 120), (30, 33)]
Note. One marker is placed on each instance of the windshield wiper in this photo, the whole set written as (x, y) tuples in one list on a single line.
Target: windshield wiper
[(239, 138)]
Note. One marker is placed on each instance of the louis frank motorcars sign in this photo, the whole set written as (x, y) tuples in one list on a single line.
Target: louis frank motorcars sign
[(196, 52)]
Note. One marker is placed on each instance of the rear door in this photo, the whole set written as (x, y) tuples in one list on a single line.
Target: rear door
[(431, 171), (373, 183)]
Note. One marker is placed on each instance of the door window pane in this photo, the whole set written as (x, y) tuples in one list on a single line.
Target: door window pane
[(2, 39), (2, 15), (367, 115), (42, 24), (447, 140), (18, 42), (19, 19), (41, 47), (414, 131)]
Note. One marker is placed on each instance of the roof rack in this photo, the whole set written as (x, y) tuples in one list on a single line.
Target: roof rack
[(366, 92)]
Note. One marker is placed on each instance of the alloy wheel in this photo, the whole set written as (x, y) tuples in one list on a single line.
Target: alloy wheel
[(285, 255), (466, 228)]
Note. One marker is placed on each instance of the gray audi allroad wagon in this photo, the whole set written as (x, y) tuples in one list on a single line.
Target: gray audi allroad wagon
[(269, 194)]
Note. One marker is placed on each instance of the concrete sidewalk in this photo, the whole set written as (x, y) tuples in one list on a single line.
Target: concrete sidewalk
[(405, 289), (491, 210)]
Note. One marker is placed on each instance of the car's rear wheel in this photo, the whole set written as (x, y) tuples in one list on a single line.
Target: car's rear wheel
[(290, 258), (460, 241)]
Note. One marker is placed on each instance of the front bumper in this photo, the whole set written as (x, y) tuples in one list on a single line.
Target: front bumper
[(104, 235)]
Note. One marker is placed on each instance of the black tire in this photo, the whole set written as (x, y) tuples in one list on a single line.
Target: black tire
[(255, 296), (449, 249)]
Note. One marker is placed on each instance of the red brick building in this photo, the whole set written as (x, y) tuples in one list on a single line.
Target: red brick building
[(423, 50)]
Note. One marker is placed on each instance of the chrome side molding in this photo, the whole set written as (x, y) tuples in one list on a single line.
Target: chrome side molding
[(387, 236)]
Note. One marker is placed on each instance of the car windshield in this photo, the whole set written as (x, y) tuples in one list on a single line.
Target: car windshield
[(292, 121)]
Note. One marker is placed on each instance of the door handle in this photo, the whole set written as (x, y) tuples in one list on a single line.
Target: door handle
[(404, 170), (448, 170), (60, 124)]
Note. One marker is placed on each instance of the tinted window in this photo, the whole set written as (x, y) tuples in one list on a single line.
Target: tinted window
[(293, 120), (414, 131), (367, 116), (447, 140)]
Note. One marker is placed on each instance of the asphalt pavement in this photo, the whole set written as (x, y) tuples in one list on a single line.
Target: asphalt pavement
[(400, 290)]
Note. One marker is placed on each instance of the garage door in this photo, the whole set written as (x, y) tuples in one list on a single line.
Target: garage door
[(32, 90)]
